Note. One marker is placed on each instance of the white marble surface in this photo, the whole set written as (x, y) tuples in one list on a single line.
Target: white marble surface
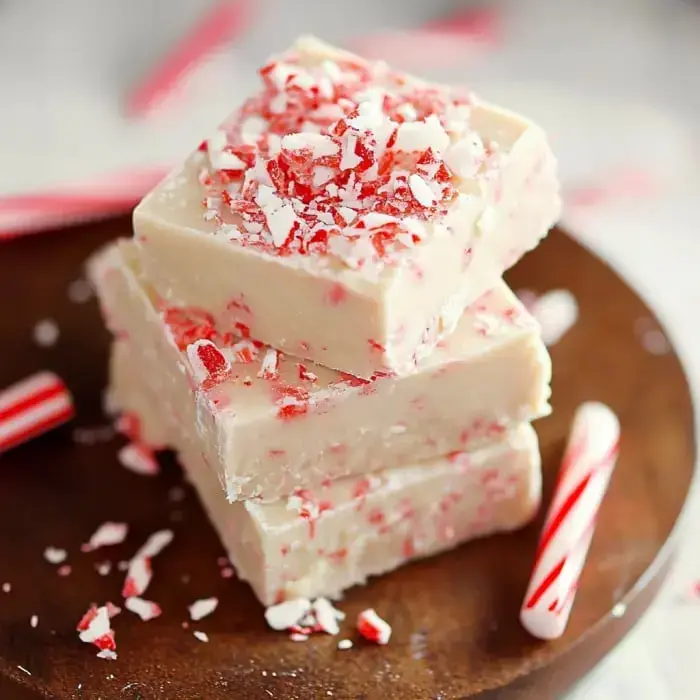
[(617, 83)]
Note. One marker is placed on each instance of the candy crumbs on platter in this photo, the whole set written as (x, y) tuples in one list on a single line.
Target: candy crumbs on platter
[(344, 644), (32, 407), (145, 609), (372, 627), (287, 614), (55, 555), (201, 636), (327, 616), (298, 636), (94, 628), (138, 459), (202, 607), (138, 577), (46, 333), (107, 534)]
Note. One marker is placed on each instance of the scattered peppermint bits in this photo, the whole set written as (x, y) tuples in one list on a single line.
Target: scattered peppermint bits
[(344, 644), (107, 534), (327, 616), (55, 555), (347, 159), (46, 333), (556, 312), (201, 636), (285, 615), (203, 607), (79, 291), (652, 337), (145, 609), (372, 627), (138, 459), (94, 628)]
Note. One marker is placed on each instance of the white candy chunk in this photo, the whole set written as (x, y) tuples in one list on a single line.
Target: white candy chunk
[(202, 607), (318, 144), (287, 614), (465, 157), (556, 312), (419, 136), (421, 190), (326, 615)]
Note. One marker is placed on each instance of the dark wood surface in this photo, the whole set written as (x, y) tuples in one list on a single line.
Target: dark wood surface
[(455, 617)]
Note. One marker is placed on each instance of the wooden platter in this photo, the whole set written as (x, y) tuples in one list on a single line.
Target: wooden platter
[(455, 617)]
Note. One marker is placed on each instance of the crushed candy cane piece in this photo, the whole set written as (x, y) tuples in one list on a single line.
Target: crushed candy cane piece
[(269, 369), (202, 607), (33, 621), (345, 644), (103, 567), (372, 627), (64, 570), (201, 636), (155, 544), (55, 555), (298, 636), (207, 361), (112, 609), (138, 577), (94, 628), (138, 459), (327, 616), (6, 587), (108, 654), (145, 609), (46, 333), (107, 534), (556, 312), (287, 614)]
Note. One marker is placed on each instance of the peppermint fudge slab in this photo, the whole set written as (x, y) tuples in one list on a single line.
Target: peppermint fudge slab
[(348, 213), (321, 542), (268, 424)]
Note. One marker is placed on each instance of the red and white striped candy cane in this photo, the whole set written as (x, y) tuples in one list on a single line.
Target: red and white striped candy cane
[(588, 463), (32, 407)]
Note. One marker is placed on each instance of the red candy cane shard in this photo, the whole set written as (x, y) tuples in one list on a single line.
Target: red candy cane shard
[(583, 479), (32, 407), (372, 627), (207, 361)]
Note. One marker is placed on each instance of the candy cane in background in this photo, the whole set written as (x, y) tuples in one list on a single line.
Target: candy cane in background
[(590, 457), (32, 407), (625, 184), (110, 195), (443, 42), (225, 21)]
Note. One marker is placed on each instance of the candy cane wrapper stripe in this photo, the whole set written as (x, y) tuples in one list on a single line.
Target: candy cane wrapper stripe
[(588, 463), (32, 407)]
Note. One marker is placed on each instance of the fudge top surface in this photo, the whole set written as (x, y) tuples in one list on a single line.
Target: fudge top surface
[(338, 163), (259, 378)]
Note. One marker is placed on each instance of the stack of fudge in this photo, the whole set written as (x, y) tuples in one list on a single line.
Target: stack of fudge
[(311, 314)]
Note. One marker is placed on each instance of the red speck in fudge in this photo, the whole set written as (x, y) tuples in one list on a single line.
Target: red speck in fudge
[(188, 325), (241, 329), (375, 346), (339, 555), (303, 345), (129, 425), (376, 516), (284, 550), (292, 401), (338, 448), (212, 359), (304, 374), (337, 294), (238, 304), (276, 453), (408, 548)]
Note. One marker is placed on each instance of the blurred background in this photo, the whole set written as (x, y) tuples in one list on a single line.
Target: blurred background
[(100, 97)]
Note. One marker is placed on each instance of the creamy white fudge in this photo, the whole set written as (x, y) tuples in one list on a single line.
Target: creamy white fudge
[(348, 213), (267, 423), (320, 542)]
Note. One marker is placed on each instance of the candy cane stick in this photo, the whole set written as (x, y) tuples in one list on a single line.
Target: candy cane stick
[(32, 407), (590, 457)]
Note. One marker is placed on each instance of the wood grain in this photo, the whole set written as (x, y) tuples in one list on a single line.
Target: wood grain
[(455, 617)]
